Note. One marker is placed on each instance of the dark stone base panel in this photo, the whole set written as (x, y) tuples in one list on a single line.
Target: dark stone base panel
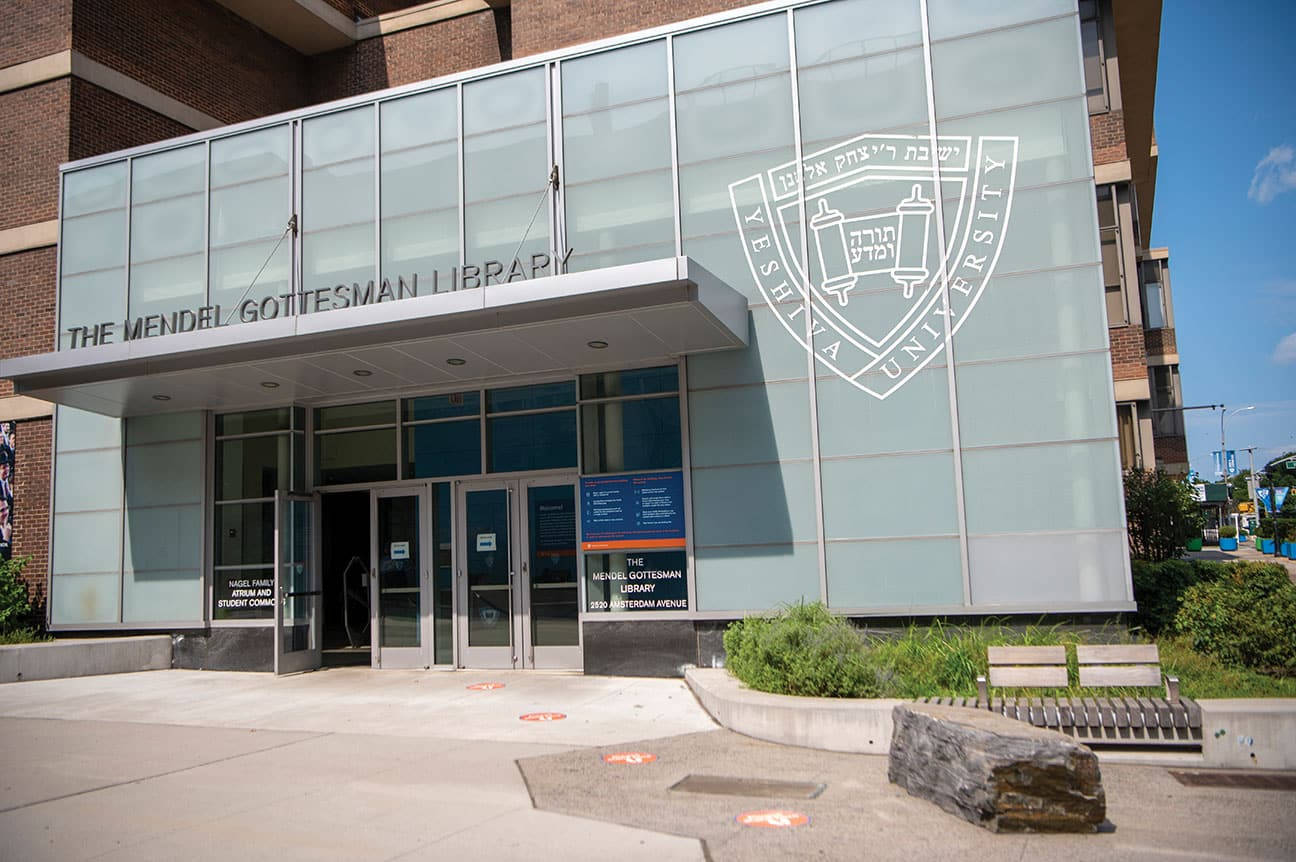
[(639, 647), (249, 649)]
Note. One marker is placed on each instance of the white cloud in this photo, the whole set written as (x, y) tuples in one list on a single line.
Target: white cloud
[(1275, 174), (1285, 352)]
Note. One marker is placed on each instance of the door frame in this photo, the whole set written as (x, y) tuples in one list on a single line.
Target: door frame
[(310, 657), (401, 657), (520, 653)]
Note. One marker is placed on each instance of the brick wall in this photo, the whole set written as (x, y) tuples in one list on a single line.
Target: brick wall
[(407, 56), (33, 140), (34, 28), (1129, 361), (1108, 134), (103, 121), (545, 25), (27, 299), (31, 490), (1160, 342), (195, 51), (1172, 450)]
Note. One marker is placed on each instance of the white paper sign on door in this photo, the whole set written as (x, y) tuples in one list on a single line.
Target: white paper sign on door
[(485, 541), (399, 551)]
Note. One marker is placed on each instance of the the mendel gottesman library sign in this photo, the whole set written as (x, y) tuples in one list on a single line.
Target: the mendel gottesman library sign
[(469, 277)]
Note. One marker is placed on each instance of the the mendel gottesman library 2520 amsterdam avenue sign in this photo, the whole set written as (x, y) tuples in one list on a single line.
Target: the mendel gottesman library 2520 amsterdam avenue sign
[(566, 362)]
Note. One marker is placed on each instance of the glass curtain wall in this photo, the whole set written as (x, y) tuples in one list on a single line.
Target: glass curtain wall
[(338, 199), (168, 235)]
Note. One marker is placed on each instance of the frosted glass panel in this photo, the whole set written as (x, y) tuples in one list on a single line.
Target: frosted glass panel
[(80, 429), (338, 199), (168, 203), (94, 189), (1039, 570), (78, 599), (90, 299), (733, 120), (162, 596), (1025, 489), (748, 424), (88, 480), (616, 146), (250, 208), (87, 542), (166, 539), (1007, 68), (907, 574), (772, 354), (1051, 227), (506, 167), (1065, 308), (164, 428), (1069, 398), (94, 241), (959, 17), (759, 578), (755, 504), (1053, 139), (161, 474), (419, 173), (911, 495), (915, 417)]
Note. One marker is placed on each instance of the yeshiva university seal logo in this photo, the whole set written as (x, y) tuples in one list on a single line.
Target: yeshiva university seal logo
[(878, 314)]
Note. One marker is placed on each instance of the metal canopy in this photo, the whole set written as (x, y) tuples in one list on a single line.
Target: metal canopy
[(644, 312)]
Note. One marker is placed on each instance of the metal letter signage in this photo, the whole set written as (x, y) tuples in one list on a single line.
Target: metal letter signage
[(877, 313)]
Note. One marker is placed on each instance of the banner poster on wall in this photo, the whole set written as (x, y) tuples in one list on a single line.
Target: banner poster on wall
[(8, 449)]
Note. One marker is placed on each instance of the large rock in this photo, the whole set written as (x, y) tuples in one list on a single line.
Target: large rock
[(995, 771)]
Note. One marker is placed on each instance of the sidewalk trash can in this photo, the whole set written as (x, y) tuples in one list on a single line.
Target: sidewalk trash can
[(1193, 544)]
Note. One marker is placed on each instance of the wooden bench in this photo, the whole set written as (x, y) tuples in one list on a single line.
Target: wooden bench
[(1171, 720)]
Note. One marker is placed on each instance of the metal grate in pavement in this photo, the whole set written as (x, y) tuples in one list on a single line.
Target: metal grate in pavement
[(1244, 780), (720, 785)]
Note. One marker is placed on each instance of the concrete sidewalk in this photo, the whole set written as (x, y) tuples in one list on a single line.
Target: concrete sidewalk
[(1246, 551), (357, 764)]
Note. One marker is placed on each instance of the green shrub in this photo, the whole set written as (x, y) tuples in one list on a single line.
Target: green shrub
[(1246, 618), (1228, 532), (1161, 515), (15, 608), (803, 650), (1265, 529), (1286, 529)]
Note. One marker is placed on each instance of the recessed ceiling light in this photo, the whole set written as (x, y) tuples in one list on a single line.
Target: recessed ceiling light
[(598, 345), (161, 397), (455, 360), (269, 384), (362, 372)]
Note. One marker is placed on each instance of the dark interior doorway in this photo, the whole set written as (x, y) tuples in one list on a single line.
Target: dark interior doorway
[(344, 523)]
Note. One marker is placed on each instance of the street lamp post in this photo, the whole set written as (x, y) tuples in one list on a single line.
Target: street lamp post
[(1224, 448)]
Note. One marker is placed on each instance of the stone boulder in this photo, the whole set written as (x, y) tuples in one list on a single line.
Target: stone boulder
[(996, 772)]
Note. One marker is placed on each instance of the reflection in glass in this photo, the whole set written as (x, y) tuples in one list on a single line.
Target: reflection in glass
[(443, 449), (244, 534), (355, 456), (639, 381), (555, 604), (531, 441), (251, 467), (355, 415), (252, 422), (486, 542), (642, 434), (399, 586)]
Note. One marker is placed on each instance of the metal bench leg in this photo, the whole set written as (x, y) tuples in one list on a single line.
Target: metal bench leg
[(983, 691), (1172, 689)]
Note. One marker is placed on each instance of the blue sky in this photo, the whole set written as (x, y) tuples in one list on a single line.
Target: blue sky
[(1226, 207)]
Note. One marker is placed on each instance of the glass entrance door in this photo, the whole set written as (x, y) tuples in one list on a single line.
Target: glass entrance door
[(297, 584), (400, 586), (518, 570)]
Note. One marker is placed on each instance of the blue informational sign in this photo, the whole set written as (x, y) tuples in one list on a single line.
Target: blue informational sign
[(1231, 459), (635, 511), (1280, 497), (1262, 496), (1219, 463)]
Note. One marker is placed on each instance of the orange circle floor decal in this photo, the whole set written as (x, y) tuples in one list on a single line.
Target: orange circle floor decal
[(629, 758), (775, 819), (543, 716), (485, 686)]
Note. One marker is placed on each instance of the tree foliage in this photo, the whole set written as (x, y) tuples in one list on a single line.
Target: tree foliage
[(1161, 515)]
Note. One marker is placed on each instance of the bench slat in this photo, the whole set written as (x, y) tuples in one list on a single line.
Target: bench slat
[(1107, 712), (1010, 655), (1092, 712), (1095, 676), (1194, 712), (1123, 654), (1050, 712), (1135, 711), (1029, 677)]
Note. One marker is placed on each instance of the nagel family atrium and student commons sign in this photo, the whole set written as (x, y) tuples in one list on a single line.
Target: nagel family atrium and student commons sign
[(567, 361)]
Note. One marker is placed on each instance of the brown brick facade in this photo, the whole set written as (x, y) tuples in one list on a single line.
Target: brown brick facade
[(1160, 342), (1108, 134), (1129, 361), (103, 121), (195, 51), (546, 25), (33, 141), (407, 56), (34, 28), (27, 297), (31, 492)]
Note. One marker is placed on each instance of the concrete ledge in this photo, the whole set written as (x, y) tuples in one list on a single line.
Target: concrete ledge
[(84, 657), (1257, 733), (832, 724)]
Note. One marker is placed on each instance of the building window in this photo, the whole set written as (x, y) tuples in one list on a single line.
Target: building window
[(630, 420), (355, 443), (531, 427), (1095, 61), (1109, 237), (441, 435), (1164, 381), (258, 454), (1127, 430), (1154, 304)]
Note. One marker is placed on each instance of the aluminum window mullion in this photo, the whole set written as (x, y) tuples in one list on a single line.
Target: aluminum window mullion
[(674, 153), (950, 377), (377, 196), (463, 201)]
